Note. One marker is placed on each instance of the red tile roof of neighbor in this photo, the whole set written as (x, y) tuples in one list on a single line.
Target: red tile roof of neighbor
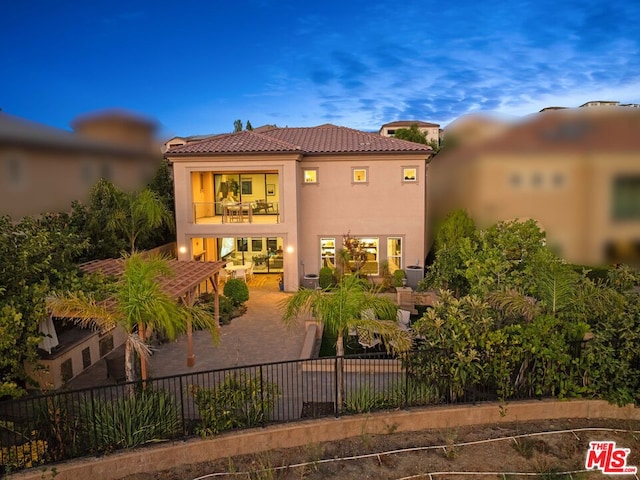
[(408, 123), (323, 139), (604, 129), (589, 130)]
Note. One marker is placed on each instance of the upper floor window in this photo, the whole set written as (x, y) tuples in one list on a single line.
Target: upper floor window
[(626, 198), (360, 174), (410, 174), (310, 175)]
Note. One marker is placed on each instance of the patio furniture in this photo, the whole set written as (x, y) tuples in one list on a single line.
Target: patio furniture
[(236, 271), (241, 273), (264, 206), (249, 270), (367, 338)]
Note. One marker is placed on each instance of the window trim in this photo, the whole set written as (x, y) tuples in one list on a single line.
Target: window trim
[(401, 241), (328, 248), (304, 176), (359, 169), (403, 173)]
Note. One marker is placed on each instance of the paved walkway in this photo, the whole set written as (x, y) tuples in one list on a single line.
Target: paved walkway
[(259, 336)]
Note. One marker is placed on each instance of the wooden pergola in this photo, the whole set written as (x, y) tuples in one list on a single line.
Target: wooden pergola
[(186, 278)]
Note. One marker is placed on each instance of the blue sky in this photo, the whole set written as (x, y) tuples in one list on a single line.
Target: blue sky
[(195, 67)]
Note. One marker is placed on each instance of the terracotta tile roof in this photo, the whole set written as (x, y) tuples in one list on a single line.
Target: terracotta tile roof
[(333, 139), (572, 130), (561, 131), (323, 139), (240, 142), (186, 274), (408, 123), (19, 131)]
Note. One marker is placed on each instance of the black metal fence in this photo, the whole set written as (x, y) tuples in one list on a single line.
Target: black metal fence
[(45, 429)]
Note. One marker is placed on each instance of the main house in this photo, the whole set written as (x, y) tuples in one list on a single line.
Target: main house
[(575, 171), (284, 198)]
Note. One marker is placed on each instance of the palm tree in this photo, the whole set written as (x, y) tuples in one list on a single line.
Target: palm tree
[(138, 306), (138, 214), (349, 305)]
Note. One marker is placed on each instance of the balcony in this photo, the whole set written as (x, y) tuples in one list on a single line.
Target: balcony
[(213, 213)]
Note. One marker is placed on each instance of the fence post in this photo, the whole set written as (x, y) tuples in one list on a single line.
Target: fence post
[(406, 379), (184, 423), (337, 387), (95, 424), (262, 399)]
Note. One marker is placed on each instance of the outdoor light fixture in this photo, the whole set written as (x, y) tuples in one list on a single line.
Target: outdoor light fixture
[(290, 249), (183, 249)]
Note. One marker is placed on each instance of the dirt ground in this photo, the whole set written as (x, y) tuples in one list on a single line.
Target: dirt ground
[(432, 454)]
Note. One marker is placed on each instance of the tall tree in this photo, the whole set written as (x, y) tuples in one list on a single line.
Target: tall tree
[(411, 134), (137, 215), (249, 126), (35, 255), (237, 125), (447, 270), (349, 305), (138, 306)]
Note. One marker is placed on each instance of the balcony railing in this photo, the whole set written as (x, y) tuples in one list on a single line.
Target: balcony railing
[(259, 211)]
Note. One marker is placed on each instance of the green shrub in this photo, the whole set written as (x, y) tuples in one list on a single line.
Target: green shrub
[(57, 423), (131, 421), (240, 401), (364, 400), (237, 291), (398, 275), (385, 274), (226, 310), (326, 277)]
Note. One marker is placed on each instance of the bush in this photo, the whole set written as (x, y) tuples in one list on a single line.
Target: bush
[(226, 310), (132, 421), (326, 278), (398, 275), (237, 291), (240, 401)]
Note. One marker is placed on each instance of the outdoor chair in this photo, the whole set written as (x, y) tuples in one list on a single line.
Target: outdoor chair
[(264, 206), (241, 273), (249, 270)]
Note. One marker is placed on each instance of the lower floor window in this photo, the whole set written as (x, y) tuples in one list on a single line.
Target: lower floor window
[(394, 253)]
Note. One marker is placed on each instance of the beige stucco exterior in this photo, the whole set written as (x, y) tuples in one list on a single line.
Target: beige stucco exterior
[(570, 194), (384, 206), (44, 169), (34, 180), (49, 371)]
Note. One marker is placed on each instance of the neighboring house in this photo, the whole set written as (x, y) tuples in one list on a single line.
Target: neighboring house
[(430, 130), (180, 141), (44, 169), (283, 198), (473, 128), (576, 171)]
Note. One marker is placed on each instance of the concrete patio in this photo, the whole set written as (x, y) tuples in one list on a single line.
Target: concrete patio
[(258, 336)]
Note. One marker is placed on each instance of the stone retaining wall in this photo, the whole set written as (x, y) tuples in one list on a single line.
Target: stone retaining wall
[(172, 454)]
